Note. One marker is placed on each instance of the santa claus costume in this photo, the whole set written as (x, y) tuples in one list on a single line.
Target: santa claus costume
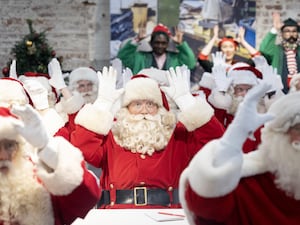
[(224, 186), (56, 189), (141, 159)]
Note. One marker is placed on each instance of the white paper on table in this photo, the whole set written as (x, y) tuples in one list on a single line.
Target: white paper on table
[(164, 216)]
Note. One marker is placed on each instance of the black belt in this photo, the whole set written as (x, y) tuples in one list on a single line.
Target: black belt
[(140, 196)]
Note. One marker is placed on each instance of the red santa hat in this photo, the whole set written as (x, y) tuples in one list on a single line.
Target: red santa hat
[(161, 28), (7, 128), (82, 73), (243, 73), (286, 111), (159, 75), (13, 92), (141, 87)]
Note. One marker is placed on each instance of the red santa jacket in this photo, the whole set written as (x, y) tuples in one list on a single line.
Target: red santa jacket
[(256, 200), (122, 169), (37, 195)]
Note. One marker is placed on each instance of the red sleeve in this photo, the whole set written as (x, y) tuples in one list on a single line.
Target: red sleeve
[(202, 57), (77, 204), (212, 210)]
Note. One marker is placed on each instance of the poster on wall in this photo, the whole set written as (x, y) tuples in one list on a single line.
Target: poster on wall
[(198, 17), (126, 18), (195, 17)]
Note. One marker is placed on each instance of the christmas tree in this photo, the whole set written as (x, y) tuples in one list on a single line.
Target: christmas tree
[(32, 53)]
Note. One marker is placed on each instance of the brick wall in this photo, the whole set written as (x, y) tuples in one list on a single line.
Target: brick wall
[(76, 27), (264, 9), (79, 29)]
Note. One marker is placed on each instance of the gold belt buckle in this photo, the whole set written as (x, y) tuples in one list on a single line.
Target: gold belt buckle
[(135, 196)]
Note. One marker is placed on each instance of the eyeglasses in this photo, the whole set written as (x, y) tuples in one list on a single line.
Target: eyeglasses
[(138, 105)]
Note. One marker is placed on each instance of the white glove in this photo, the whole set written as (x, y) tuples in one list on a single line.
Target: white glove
[(260, 62), (32, 129), (37, 92), (126, 75), (185, 69), (219, 58), (13, 70), (107, 92), (179, 89), (220, 76), (54, 70), (271, 77), (245, 122)]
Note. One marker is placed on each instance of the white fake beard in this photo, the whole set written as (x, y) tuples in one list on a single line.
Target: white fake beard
[(142, 134), (89, 96), (283, 159), (9, 181), (236, 100)]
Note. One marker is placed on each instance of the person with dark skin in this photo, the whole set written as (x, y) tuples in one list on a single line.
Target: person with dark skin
[(159, 56)]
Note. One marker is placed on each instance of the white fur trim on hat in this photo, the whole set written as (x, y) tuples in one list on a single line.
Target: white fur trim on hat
[(159, 75), (242, 76), (286, 111), (7, 127), (82, 73), (142, 88), (12, 92)]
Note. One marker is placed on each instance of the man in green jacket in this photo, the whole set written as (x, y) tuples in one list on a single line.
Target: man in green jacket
[(286, 55), (159, 56)]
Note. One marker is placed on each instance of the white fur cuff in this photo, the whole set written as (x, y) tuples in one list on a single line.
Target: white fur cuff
[(95, 120), (210, 181), (68, 173), (197, 115)]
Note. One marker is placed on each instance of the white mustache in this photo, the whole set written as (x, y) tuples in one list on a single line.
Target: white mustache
[(144, 117), (5, 163)]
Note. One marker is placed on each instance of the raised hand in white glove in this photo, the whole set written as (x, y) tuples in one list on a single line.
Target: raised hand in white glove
[(37, 92), (185, 70), (32, 129), (245, 122), (13, 70), (219, 58), (126, 75), (179, 89), (271, 77), (107, 92), (54, 70), (260, 62), (222, 81)]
